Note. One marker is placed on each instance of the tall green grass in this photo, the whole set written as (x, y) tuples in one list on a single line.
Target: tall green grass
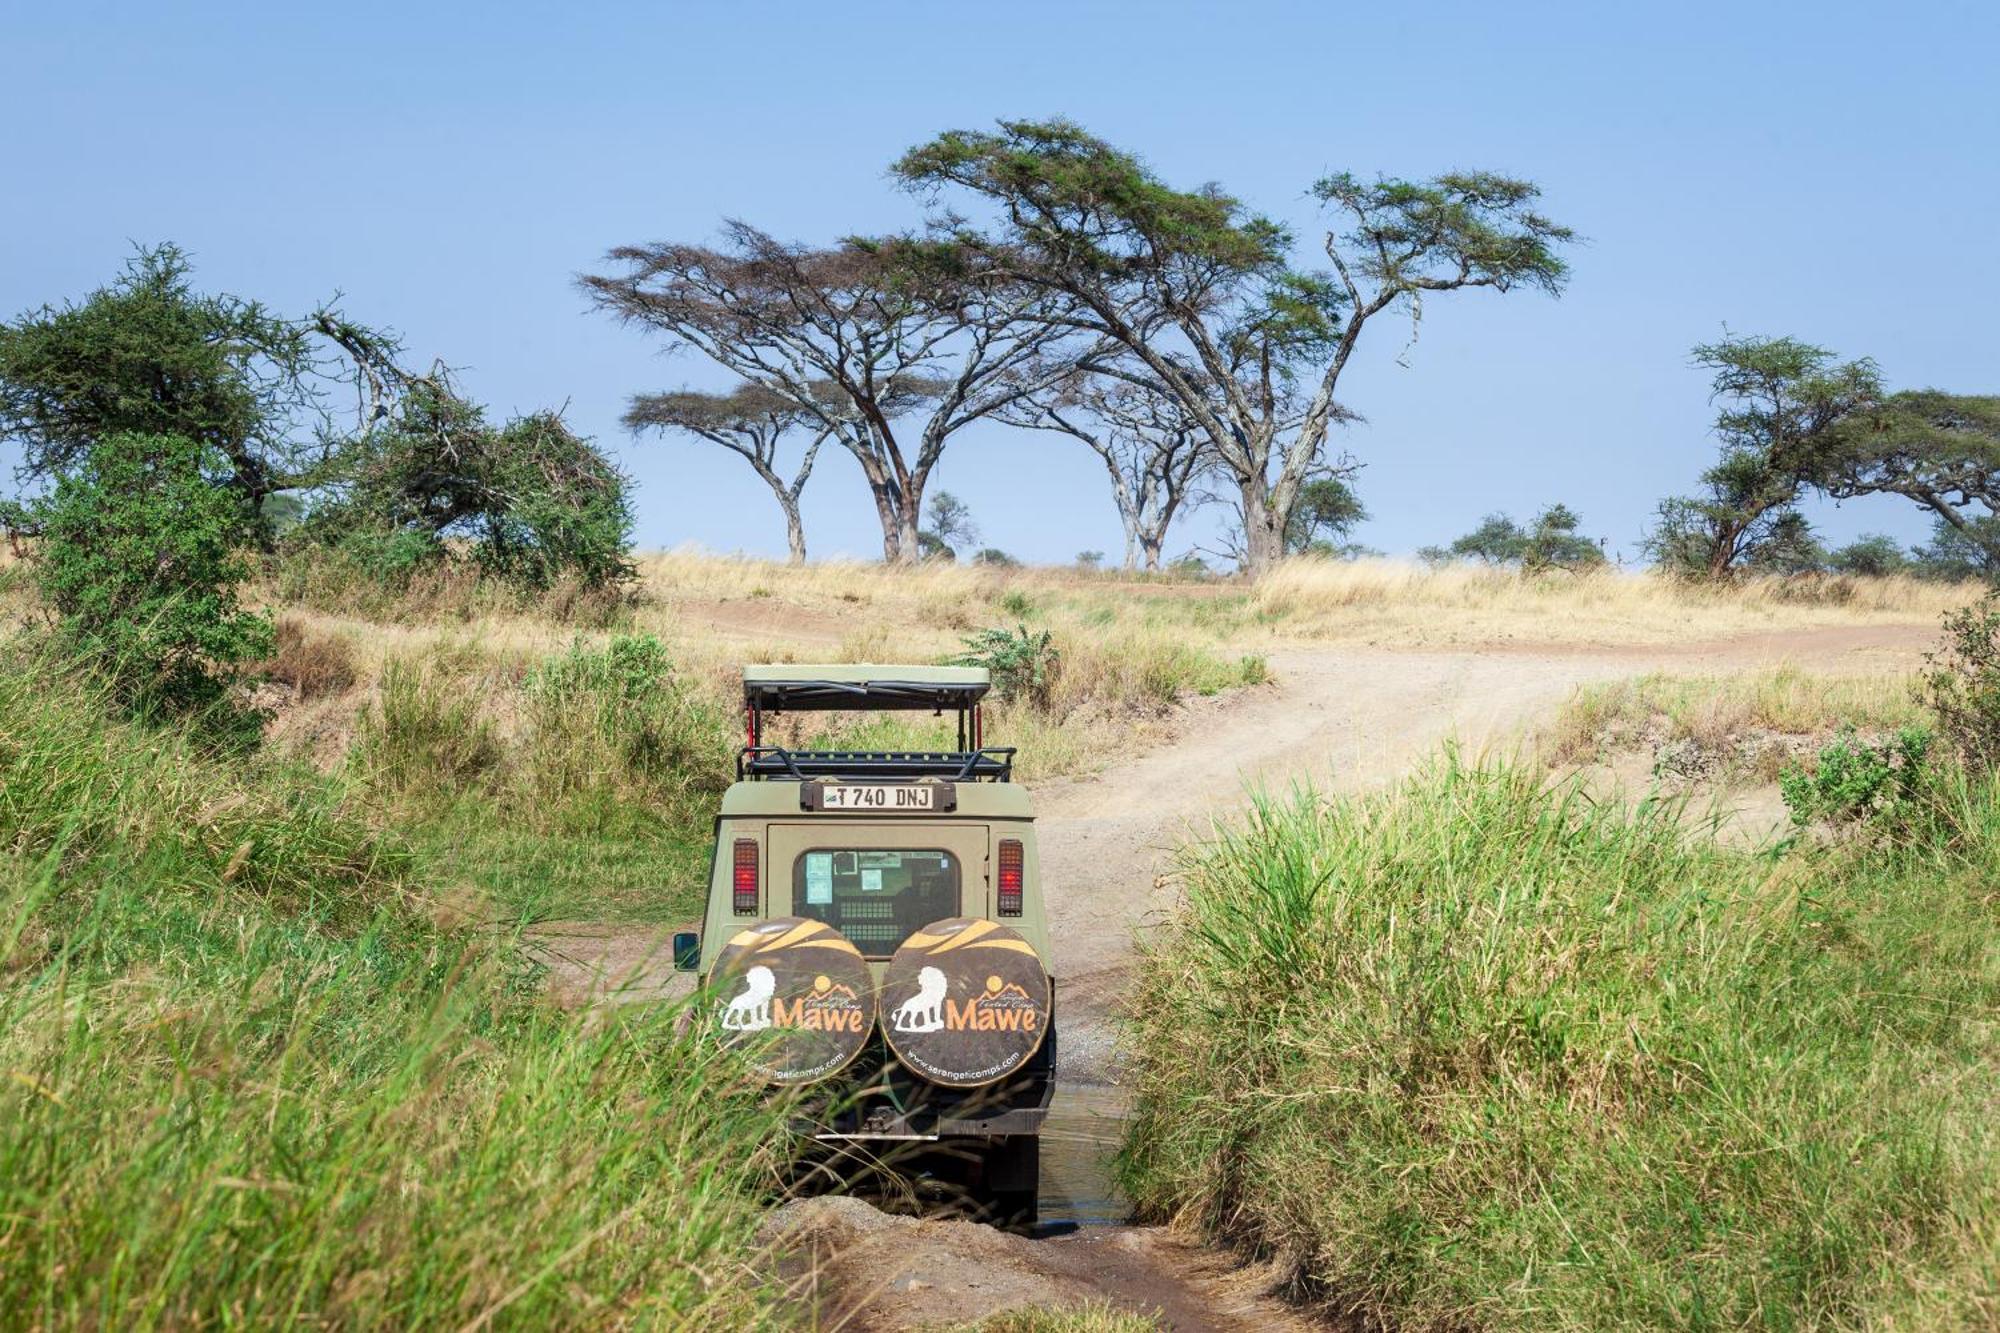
[(251, 1073), (1483, 1054), (585, 787)]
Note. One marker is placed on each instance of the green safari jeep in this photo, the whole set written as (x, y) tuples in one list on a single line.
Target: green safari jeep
[(875, 929)]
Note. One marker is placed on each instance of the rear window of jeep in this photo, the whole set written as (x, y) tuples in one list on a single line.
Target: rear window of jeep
[(876, 898)]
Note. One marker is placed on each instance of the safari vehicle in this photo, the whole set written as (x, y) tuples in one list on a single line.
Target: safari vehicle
[(875, 929)]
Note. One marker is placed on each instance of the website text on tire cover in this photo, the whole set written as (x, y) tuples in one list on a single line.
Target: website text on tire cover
[(875, 929)]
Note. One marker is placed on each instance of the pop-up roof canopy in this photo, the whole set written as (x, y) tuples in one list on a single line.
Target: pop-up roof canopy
[(866, 688), (863, 688)]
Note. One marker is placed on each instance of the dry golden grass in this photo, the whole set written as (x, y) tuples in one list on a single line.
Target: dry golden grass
[(1713, 711), (1129, 645), (729, 609), (1398, 603)]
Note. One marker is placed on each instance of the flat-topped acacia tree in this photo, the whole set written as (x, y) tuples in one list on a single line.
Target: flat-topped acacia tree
[(855, 336), (1204, 294), (752, 422)]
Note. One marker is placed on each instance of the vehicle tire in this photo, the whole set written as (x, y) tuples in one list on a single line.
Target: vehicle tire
[(1013, 1178)]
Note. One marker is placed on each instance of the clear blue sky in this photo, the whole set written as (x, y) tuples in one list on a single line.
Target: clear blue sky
[(1829, 171)]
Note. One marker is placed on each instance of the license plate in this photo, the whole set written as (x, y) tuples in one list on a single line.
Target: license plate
[(885, 797)]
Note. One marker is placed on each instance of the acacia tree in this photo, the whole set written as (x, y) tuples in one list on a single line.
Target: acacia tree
[(1154, 452), (1204, 294), (1938, 449), (853, 336), (1549, 542), (752, 422), (1782, 401), (148, 355), (533, 500)]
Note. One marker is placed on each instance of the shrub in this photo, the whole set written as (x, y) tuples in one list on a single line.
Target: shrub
[(1853, 781), (391, 557), (1024, 665), (1962, 683), (139, 560), (530, 502)]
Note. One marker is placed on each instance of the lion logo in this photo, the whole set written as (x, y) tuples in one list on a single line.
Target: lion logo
[(751, 1010), (924, 1011)]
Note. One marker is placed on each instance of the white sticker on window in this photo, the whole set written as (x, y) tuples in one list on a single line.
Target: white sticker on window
[(871, 879), (819, 879)]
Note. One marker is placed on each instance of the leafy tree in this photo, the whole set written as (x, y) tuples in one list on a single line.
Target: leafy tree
[(1327, 511), (534, 501), (1938, 449), (1955, 554), (1872, 555), (139, 562), (1550, 542), (951, 527), (1204, 296), (855, 337), (752, 422), (1554, 543), (1782, 400), (993, 555), (150, 355), (1795, 418), (1496, 541), (1090, 559), (1789, 546)]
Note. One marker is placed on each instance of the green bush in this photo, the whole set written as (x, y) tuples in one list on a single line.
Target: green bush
[(139, 560), (529, 502), (1484, 1053), (1852, 781), (1024, 665), (391, 557), (1962, 683)]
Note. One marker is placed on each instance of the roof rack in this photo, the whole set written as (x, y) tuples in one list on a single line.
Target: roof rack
[(991, 764), (867, 688)]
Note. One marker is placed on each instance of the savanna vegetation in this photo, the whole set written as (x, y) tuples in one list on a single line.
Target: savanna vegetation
[(1483, 1051), (266, 1065), (323, 687)]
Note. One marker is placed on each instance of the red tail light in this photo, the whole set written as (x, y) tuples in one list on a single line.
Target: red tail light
[(1009, 882), (744, 899)]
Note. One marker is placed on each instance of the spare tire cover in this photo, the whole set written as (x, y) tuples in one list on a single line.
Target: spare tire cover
[(965, 1002), (796, 995)]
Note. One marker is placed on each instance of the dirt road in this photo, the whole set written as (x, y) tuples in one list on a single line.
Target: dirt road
[(1345, 718)]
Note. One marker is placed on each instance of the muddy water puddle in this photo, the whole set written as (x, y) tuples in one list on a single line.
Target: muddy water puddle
[(1086, 1123)]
